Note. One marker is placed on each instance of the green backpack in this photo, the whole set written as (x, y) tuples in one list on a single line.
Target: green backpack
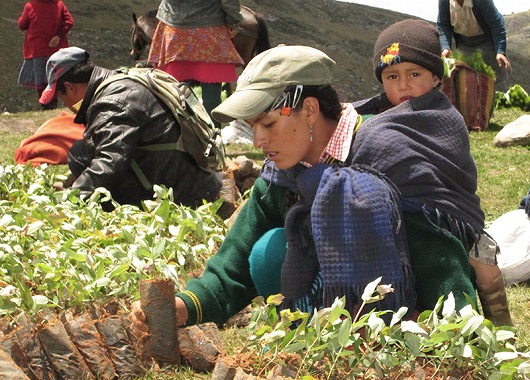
[(199, 136)]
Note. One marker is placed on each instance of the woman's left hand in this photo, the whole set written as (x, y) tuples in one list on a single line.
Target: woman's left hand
[(503, 61)]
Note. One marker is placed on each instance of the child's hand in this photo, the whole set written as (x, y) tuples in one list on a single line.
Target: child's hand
[(54, 41)]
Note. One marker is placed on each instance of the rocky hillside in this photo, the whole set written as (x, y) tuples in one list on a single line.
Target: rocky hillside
[(345, 31)]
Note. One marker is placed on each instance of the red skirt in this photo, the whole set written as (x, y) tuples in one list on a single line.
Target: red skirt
[(208, 72)]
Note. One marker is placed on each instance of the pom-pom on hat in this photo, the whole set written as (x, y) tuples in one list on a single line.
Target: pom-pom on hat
[(59, 63), (268, 74), (415, 41)]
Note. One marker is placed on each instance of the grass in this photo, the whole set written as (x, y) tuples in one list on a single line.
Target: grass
[(10, 142), (16, 127), (503, 173), (503, 181)]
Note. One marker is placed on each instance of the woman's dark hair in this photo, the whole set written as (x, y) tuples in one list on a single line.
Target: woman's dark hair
[(327, 97), (80, 73)]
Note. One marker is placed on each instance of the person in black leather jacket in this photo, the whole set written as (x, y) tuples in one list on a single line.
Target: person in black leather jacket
[(123, 118)]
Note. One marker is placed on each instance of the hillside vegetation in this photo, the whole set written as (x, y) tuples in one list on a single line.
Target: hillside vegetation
[(345, 31)]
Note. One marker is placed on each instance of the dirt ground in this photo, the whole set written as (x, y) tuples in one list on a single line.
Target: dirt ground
[(18, 126), (25, 123)]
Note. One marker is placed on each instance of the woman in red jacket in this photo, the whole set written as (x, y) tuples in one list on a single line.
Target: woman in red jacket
[(46, 22)]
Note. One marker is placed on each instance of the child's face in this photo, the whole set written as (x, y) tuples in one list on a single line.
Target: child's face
[(403, 81)]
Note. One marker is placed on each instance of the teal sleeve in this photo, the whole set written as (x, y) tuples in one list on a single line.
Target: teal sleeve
[(226, 286)]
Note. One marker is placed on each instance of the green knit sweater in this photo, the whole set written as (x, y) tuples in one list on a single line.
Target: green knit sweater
[(226, 287)]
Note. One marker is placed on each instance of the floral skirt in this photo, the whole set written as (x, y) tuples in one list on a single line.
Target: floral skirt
[(204, 54)]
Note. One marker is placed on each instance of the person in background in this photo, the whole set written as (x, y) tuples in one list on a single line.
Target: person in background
[(47, 23), (193, 42), (329, 189), (122, 122), (474, 24)]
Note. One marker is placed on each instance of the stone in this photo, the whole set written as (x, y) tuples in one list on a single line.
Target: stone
[(514, 133)]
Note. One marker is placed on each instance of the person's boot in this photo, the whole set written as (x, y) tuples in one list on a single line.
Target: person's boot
[(495, 303)]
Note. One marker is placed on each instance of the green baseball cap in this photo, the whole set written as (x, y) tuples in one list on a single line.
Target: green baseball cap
[(268, 74)]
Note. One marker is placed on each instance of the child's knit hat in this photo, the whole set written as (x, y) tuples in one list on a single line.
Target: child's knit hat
[(415, 41)]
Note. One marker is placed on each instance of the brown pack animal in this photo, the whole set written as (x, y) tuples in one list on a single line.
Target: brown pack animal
[(252, 37)]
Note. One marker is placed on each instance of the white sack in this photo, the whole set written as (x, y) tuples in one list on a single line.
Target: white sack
[(511, 231)]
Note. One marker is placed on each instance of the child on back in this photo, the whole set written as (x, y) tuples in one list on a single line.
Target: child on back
[(420, 141)]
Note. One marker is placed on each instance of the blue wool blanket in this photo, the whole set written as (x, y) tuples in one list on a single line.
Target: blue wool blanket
[(344, 232)]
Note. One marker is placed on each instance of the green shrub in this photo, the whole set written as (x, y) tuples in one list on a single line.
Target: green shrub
[(475, 61), (58, 251), (342, 346), (515, 97)]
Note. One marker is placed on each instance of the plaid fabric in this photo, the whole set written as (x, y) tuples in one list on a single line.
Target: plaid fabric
[(301, 265), (339, 145), (358, 235)]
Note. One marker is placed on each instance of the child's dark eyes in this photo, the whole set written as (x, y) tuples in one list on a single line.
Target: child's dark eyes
[(413, 74)]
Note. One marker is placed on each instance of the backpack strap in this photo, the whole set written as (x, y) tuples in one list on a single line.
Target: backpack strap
[(141, 176), (159, 147)]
